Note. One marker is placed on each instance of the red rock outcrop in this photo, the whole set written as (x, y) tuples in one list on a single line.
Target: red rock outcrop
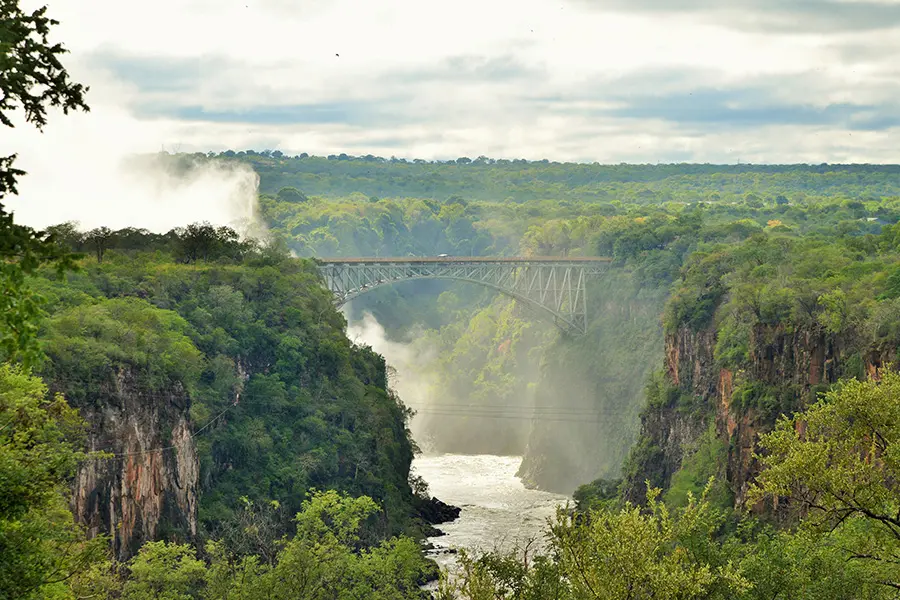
[(147, 489)]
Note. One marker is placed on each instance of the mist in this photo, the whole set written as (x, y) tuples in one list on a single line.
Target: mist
[(408, 374), (117, 193), (106, 169), (467, 419)]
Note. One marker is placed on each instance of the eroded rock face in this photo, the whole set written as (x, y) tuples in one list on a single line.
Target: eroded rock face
[(670, 433), (797, 361), (666, 436), (148, 490), (690, 365)]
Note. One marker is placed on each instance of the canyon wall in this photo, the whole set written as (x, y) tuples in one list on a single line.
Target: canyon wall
[(785, 371)]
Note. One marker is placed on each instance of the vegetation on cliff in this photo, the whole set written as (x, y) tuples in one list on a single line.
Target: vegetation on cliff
[(280, 400), (252, 327), (285, 401), (758, 327)]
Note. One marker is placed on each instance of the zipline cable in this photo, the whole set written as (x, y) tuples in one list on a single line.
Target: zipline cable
[(162, 449)]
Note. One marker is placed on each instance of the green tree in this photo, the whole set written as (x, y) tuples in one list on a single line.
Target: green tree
[(67, 234), (40, 545), (291, 194), (323, 561), (320, 562), (604, 554), (203, 241), (254, 531), (804, 565), (164, 571), (839, 462), (100, 240), (631, 553), (32, 78)]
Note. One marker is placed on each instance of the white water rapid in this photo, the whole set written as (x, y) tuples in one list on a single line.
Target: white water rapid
[(498, 512)]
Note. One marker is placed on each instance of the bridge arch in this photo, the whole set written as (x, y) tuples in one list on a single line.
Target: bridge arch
[(554, 286)]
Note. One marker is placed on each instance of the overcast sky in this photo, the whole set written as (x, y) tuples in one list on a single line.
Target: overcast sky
[(585, 80)]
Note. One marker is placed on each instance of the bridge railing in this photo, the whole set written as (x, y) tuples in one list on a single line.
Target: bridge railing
[(466, 259)]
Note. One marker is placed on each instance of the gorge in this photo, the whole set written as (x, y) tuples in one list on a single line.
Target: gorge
[(223, 385)]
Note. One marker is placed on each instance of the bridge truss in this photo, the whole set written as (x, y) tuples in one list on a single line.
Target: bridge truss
[(555, 286)]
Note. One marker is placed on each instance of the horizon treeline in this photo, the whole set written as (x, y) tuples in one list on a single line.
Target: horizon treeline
[(520, 180)]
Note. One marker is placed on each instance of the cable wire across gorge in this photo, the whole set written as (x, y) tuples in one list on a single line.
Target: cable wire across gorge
[(555, 286)]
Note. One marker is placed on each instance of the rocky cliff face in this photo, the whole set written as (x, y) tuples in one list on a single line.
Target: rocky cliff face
[(789, 366), (667, 435), (148, 489)]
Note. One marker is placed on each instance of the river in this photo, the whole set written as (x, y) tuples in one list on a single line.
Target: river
[(498, 512)]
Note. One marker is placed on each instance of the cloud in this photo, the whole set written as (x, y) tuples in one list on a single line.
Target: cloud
[(792, 16), (467, 68), (321, 113), (737, 109), (466, 88), (153, 74)]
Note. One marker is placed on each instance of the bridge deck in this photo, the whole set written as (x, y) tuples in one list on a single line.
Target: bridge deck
[(406, 260)]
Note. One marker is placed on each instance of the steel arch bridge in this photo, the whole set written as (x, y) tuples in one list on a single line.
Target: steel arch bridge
[(554, 286)]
